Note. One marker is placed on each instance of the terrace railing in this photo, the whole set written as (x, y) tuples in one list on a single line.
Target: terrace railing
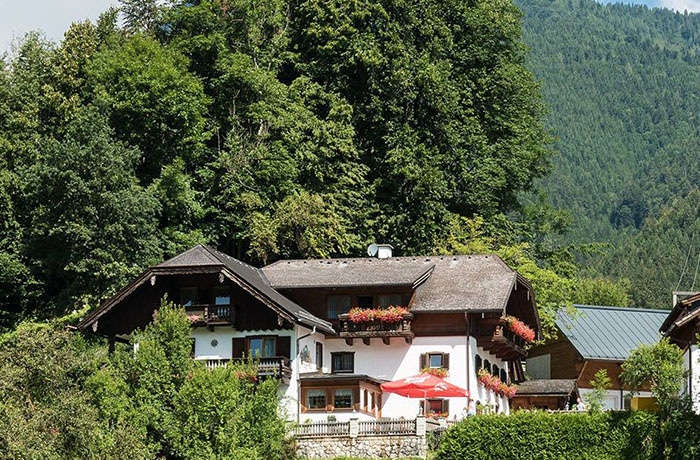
[(210, 314), (371, 329), (355, 428), (275, 366), (322, 429)]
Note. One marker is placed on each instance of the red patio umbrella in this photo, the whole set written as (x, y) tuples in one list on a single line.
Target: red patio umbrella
[(424, 386)]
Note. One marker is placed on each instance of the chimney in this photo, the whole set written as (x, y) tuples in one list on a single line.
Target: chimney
[(381, 251)]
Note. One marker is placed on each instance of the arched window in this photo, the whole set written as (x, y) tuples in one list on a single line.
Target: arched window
[(477, 362), (487, 365), (504, 376), (495, 371)]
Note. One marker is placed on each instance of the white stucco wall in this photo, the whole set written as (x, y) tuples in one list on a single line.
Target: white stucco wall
[(691, 386), (382, 362)]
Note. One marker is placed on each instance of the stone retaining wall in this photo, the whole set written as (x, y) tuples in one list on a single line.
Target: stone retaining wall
[(403, 441), (362, 447)]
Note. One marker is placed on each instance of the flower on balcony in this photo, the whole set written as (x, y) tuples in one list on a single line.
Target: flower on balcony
[(438, 414), (507, 391), (489, 381), (195, 317), (386, 315), (436, 371), (519, 328), (362, 315), (392, 314)]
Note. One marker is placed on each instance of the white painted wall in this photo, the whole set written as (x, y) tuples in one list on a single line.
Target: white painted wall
[(691, 363), (382, 362)]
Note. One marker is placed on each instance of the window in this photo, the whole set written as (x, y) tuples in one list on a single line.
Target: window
[(477, 362), (434, 360), (436, 406), (342, 398), (316, 398), (222, 295), (365, 301), (390, 300), (495, 371), (504, 376), (338, 305), (188, 296), (319, 355), (262, 347), (342, 362)]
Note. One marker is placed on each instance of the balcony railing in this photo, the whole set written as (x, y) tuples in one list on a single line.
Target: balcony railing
[(493, 336), (370, 329), (210, 314), (275, 366)]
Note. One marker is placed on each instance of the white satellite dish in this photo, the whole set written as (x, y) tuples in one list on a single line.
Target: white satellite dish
[(372, 250)]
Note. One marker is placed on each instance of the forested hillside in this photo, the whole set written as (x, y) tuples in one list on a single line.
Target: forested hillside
[(268, 129), (623, 86)]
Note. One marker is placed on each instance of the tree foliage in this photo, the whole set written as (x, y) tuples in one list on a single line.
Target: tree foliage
[(267, 129), (62, 397), (661, 367)]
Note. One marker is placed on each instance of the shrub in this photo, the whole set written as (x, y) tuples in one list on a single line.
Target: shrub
[(540, 435)]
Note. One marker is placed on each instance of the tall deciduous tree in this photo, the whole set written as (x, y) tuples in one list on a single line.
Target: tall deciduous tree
[(447, 116), (92, 225)]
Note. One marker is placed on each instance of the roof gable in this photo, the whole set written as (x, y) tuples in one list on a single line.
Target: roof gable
[(610, 333), (202, 258)]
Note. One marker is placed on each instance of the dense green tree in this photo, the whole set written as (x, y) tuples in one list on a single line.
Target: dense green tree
[(446, 113), (661, 367), (45, 408), (185, 410), (91, 226), (152, 102)]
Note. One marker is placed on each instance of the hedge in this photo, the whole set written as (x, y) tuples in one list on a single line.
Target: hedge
[(560, 436)]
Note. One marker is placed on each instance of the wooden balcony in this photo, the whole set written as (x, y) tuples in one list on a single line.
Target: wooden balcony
[(493, 336), (276, 366), (210, 315), (376, 329)]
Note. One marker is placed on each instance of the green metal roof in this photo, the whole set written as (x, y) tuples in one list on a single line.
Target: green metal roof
[(610, 333)]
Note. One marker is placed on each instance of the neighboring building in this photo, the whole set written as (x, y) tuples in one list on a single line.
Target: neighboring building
[(682, 326), (546, 394), (595, 338), (294, 315)]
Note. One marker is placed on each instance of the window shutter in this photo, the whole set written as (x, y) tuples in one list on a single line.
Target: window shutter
[(446, 360), (446, 406), (238, 348), (284, 346), (422, 361)]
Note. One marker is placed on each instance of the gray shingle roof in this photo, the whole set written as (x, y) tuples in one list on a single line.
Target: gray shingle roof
[(610, 333), (460, 283), (397, 271), (551, 387), (445, 283)]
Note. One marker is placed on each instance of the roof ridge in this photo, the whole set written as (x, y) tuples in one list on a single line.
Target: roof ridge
[(611, 307)]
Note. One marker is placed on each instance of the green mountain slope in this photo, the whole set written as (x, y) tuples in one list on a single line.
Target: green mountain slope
[(623, 87)]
